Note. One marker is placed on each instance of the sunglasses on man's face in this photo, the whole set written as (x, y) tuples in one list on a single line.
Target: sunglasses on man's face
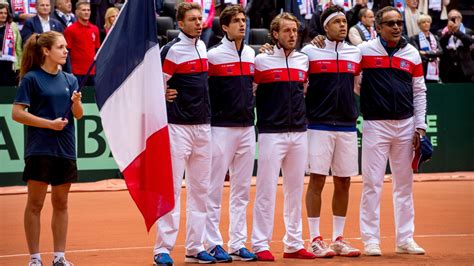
[(392, 23)]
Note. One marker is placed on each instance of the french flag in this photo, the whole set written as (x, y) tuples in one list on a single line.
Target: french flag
[(131, 98)]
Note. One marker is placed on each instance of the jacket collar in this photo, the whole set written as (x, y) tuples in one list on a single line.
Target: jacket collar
[(187, 39), (279, 51), (230, 44), (332, 44)]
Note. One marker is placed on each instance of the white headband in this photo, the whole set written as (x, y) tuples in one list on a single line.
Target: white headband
[(339, 13)]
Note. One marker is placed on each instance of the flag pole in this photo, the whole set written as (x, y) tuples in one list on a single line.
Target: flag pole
[(81, 86)]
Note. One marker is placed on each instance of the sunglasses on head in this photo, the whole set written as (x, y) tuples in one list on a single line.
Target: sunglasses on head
[(392, 23)]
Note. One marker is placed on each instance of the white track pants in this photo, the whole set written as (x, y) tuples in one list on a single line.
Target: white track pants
[(191, 151), (288, 151), (390, 139), (233, 149)]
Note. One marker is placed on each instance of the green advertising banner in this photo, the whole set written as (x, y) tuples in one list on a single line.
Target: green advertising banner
[(449, 118)]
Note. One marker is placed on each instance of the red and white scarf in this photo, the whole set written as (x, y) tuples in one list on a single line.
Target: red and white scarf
[(8, 45)]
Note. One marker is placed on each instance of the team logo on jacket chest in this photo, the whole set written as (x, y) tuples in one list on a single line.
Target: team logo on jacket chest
[(350, 67), (277, 74), (300, 75), (404, 65), (252, 69), (378, 62)]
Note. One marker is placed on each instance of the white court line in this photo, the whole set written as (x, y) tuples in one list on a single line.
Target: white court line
[(151, 247)]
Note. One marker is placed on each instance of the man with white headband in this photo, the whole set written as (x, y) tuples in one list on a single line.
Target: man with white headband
[(332, 135)]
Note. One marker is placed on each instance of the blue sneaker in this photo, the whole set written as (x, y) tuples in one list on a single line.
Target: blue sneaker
[(163, 259), (202, 257), (220, 254), (243, 254)]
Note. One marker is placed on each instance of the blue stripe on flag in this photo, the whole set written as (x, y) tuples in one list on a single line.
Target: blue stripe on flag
[(131, 37)]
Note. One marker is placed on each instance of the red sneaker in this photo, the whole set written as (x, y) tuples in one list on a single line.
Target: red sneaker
[(300, 254), (265, 255)]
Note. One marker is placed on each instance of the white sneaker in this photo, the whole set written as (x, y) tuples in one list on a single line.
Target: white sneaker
[(35, 262), (410, 247), (321, 249), (372, 249), (61, 261), (343, 248)]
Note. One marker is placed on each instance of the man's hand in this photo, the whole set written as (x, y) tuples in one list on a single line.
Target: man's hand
[(171, 94), (453, 26), (318, 41), (266, 48), (58, 124), (419, 133)]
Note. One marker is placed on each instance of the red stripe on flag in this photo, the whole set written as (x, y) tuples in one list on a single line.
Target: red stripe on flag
[(149, 178)]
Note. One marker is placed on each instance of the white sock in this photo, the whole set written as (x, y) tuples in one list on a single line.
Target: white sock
[(35, 256), (337, 226), (313, 223), (58, 255)]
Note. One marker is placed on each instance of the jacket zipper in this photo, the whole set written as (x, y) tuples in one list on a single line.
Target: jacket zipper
[(241, 79), (337, 82), (290, 96)]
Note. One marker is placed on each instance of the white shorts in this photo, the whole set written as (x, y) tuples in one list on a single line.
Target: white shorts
[(333, 149)]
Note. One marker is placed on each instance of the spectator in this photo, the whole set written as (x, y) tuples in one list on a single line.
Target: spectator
[(42, 22), (63, 13), (208, 12), (82, 40), (364, 29), (429, 47), (110, 17), (437, 11), (10, 49), (411, 16), (22, 10), (314, 26), (456, 61), (353, 15)]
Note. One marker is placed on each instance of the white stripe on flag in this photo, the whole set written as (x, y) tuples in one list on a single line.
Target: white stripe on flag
[(137, 107)]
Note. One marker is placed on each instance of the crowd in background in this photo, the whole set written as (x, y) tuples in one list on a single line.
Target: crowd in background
[(435, 27)]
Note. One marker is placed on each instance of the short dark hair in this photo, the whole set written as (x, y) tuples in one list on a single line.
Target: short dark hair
[(226, 15), (379, 14), (328, 11), (9, 15), (184, 7)]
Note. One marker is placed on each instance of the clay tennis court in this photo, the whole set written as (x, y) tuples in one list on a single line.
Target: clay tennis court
[(105, 227)]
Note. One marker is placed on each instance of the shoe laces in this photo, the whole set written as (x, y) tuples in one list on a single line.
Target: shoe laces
[(318, 244), (62, 261), (344, 242), (35, 262)]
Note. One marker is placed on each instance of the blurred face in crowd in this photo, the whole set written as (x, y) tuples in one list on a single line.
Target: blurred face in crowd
[(64, 6), (113, 17), (368, 19), (425, 25), (361, 2), (412, 3), (236, 28), (390, 29), (336, 28), (3, 15), (43, 7), (287, 34), (58, 52), (191, 23), (83, 12), (454, 20)]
